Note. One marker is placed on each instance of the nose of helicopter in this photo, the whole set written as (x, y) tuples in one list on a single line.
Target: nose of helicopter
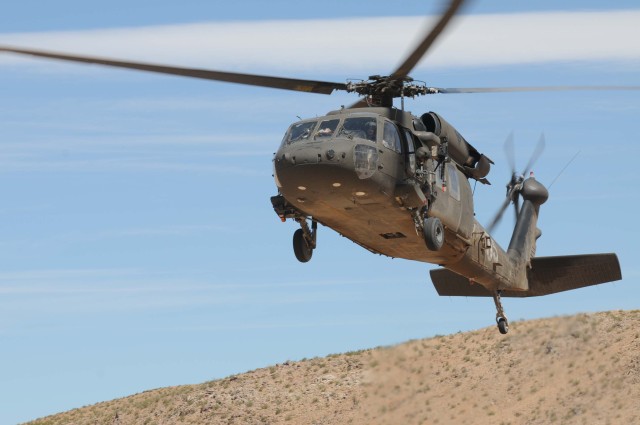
[(335, 172)]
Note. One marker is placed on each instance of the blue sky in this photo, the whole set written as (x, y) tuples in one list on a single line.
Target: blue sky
[(138, 246)]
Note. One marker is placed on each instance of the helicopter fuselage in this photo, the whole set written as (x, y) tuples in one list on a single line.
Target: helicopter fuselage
[(398, 185), (365, 174)]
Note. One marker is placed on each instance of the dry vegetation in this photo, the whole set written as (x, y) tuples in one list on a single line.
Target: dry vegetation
[(583, 369)]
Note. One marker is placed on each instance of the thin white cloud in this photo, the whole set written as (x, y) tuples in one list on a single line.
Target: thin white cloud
[(127, 142), (57, 274), (244, 326), (119, 280), (119, 164), (353, 45), (162, 152), (134, 290)]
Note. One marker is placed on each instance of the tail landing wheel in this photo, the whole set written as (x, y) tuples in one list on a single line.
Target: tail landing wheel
[(501, 318), (503, 325)]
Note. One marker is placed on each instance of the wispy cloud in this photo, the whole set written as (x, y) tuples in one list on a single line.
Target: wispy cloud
[(117, 280), (94, 291), (355, 321), (149, 152), (120, 164), (319, 45), (139, 234)]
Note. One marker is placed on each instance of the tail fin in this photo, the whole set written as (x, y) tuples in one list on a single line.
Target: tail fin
[(548, 275)]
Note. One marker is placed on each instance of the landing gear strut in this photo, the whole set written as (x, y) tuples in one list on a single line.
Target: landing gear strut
[(304, 240), (501, 318)]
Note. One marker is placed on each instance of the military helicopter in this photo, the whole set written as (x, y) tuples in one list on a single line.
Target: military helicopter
[(399, 185)]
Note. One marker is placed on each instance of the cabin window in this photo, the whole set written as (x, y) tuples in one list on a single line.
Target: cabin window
[(391, 138), (360, 127), (438, 172), (300, 131), (327, 129), (453, 183)]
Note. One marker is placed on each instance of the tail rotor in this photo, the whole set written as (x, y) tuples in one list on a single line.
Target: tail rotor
[(515, 185)]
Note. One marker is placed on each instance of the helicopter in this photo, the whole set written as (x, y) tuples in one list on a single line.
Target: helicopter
[(399, 184)]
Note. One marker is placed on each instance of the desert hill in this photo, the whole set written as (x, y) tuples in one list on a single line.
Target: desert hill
[(583, 369)]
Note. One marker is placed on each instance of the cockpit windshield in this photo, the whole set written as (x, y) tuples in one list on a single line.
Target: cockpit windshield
[(360, 127), (300, 131), (327, 129)]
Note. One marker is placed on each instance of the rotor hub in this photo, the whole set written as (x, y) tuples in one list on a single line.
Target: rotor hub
[(383, 89)]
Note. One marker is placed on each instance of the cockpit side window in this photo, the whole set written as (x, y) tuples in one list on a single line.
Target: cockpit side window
[(327, 129), (410, 152), (300, 131), (409, 138), (391, 138), (360, 127)]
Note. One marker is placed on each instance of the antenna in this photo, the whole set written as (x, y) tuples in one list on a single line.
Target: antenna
[(565, 167)]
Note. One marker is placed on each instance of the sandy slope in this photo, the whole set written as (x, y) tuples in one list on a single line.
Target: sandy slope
[(583, 369)]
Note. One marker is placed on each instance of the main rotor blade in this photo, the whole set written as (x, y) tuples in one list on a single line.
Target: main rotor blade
[(530, 89), (498, 216), (412, 60), (310, 86)]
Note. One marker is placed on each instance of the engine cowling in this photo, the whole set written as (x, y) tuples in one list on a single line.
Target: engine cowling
[(475, 164)]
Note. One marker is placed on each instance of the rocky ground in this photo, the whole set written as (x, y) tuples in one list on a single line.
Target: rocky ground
[(583, 369)]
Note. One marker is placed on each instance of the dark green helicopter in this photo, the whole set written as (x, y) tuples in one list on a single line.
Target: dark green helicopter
[(399, 185)]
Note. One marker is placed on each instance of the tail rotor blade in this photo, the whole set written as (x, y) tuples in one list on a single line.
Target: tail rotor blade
[(536, 154), (510, 152), (498, 216)]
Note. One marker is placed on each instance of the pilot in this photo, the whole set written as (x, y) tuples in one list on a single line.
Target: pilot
[(370, 131), (325, 132)]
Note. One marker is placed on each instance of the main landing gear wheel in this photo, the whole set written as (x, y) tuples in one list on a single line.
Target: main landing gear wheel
[(301, 247), (304, 239), (433, 233)]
